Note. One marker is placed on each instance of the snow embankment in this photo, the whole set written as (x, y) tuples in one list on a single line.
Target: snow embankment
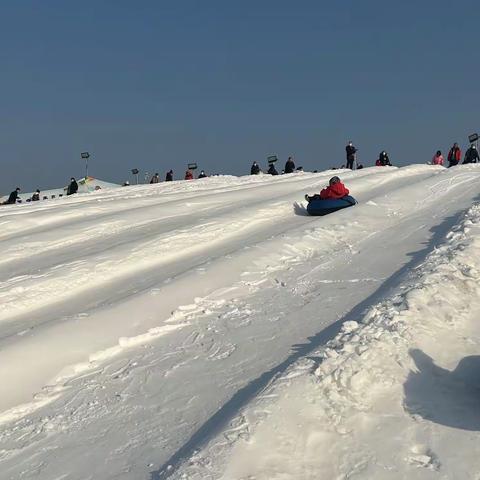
[(394, 395), (135, 324)]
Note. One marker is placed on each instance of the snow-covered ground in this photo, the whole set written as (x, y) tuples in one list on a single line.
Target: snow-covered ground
[(211, 329)]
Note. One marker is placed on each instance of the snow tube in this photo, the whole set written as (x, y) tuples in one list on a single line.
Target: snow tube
[(324, 207)]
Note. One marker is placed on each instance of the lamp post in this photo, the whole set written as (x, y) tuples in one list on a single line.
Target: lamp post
[(473, 139), (135, 172), (85, 156)]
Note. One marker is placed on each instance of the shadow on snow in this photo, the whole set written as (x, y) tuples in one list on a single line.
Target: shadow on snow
[(442, 396), (242, 397)]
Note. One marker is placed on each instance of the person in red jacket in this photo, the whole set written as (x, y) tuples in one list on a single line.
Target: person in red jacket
[(188, 175), (454, 155), (336, 189)]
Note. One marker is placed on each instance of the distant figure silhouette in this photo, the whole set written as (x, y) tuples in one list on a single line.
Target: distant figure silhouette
[(290, 165), (73, 187)]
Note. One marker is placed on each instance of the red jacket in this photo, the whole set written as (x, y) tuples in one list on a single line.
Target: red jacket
[(188, 175), (455, 154), (337, 190)]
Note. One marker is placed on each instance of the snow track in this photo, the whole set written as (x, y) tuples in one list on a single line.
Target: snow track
[(152, 314)]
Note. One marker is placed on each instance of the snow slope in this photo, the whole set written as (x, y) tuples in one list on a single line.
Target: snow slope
[(90, 185), (144, 331)]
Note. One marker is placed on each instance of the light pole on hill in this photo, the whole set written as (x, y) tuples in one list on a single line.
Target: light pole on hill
[(473, 139), (135, 172), (85, 156)]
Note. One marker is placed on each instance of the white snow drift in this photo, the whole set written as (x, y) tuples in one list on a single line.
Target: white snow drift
[(210, 329)]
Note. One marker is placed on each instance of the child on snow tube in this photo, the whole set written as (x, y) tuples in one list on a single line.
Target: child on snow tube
[(336, 189)]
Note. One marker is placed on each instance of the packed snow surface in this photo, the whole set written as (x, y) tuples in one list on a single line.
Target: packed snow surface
[(211, 329)]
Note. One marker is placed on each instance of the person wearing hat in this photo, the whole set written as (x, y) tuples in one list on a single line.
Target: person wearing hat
[(255, 169), (471, 155), (36, 196), (336, 189), (73, 187), (12, 198)]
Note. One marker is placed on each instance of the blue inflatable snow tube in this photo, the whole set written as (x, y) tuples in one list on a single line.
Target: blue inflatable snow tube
[(320, 207)]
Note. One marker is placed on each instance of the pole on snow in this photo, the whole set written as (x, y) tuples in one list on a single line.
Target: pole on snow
[(473, 139), (135, 172), (85, 156)]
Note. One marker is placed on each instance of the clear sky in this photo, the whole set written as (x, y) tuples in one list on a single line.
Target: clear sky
[(156, 84)]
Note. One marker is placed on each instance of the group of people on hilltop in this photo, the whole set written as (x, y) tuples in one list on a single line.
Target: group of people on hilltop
[(336, 189), (454, 158), (169, 176), (14, 196), (189, 174), (455, 155), (289, 168), (383, 159)]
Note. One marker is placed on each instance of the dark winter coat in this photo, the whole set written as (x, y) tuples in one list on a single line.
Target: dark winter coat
[(289, 166), (255, 170), (272, 170), (169, 176), (384, 160), (454, 156), (12, 198), (202, 174), (36, 197), (350, 150), (72, 188), (471, 156)]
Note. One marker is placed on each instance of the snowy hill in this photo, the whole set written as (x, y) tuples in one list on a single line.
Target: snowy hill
[(212, 330), (85, 185)]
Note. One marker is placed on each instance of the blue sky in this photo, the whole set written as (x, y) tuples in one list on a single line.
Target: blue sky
[(157, 84)]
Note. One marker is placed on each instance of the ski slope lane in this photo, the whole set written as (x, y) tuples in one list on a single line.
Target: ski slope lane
[(87, 261), (164, 359), (387, 398)]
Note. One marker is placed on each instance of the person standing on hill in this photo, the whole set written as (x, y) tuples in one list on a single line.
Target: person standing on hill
[(188, 175), (290, 165), (454, 155), (255, 169), (471, 155), (351, 154), (437, 158), (73, 187), (12, 198), (155, 178), (169, 176)]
